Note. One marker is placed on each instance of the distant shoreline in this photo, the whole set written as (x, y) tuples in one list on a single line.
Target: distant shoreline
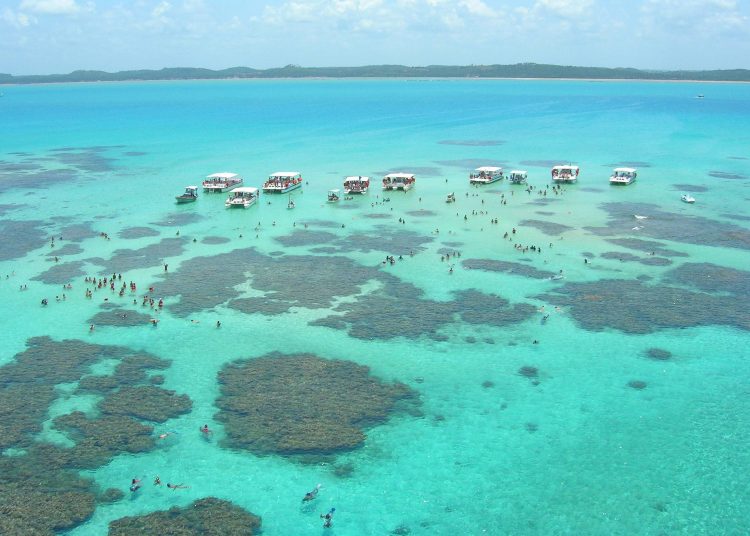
[(365, 78), (521, 71)]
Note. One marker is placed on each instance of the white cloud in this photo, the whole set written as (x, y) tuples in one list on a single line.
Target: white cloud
[(704, 16), (161, 9), (478, 8), (566, 8), (16, 19), (50, 7)]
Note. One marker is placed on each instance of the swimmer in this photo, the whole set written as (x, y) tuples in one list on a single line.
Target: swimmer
[(205, 431), (218, 323), (91, 327), (310, 495), (165, 435), (157, 481), (176, 486), (135, 484), (328, 518)]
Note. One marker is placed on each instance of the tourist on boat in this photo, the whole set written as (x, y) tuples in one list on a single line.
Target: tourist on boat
[(310, 495)]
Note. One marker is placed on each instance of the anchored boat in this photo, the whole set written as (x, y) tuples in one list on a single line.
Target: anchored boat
[(356, 185), (221, 182), (399, 181), (242, 197), (517, 176), (282, 182), (623, 176), (486, 175), (566, 173), (333, 195), (190, 195)]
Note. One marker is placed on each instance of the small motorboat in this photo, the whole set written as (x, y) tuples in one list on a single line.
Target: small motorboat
[(451, 198), (687, 198), (333, 195), (190, 195)]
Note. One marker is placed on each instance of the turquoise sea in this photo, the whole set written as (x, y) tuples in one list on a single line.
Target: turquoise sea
[(611, 400)]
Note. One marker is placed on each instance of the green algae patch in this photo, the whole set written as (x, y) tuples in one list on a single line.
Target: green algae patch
[(205, 517), (303, 404), (146, 402)]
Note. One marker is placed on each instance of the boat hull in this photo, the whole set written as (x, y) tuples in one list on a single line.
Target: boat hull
[(620, 183), (565, 181), (185, 199), (239, 205), (485, 181), (402, 187), (275, 190), (352, 192), (219, 188)]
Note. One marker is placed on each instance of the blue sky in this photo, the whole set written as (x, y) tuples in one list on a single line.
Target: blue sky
[(53, 36)]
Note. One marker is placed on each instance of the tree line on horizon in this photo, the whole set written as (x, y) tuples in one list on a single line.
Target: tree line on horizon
[(519, 70)]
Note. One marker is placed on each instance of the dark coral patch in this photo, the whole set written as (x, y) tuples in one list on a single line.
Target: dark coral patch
[(473, 143), (215, 240), (378, 216), (695, 188), (638, 385), (20, 237), (304, 237), (672, 226), (124, 260), (209, 516), (303, 404), (649, 246), (178, 219), (422, 213), (119, 318), (629, 257), (727, 175), (67, 249), (658, 354), (146, 402), (508, 267), (527, 371), (60, 274), (711, 278), (130, 233), (637, 307), (547, 227)]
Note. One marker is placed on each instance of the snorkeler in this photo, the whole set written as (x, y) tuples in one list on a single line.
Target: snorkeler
[(310, 495), (157, 481), (176, 486), (328, 518), (135, 484), (205, 431)]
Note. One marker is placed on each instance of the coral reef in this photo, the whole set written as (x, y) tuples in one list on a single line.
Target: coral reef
[(302, 404), (204, 517)]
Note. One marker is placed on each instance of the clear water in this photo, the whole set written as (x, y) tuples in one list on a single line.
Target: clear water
[(580, 453)]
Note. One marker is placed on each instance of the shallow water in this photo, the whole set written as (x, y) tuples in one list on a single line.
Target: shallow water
[(573, 450)]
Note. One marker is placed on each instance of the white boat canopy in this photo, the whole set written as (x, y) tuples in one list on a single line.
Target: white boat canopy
[(245, 190), (625, 170), (488, 169), (519, 172), (191, 187), (400, 176), (566, 168), (222, 176), (356, 178), (284, 174), (334, 191)]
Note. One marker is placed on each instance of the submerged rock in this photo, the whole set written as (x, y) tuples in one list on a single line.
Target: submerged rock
[(303, 404), (204, 517), (637, 384), (658, 354)]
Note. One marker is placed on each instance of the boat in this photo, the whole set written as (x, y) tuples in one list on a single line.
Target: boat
[(486, 175), (356, 185), (243, 197), (623, 176), (282, 182), (190, 195), (221, 182), (687, 198), (333, 195), (451, 198), (517, 176), (399, 181), (565, 173)]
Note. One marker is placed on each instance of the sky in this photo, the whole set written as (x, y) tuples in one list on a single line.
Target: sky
[(59, 36)]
